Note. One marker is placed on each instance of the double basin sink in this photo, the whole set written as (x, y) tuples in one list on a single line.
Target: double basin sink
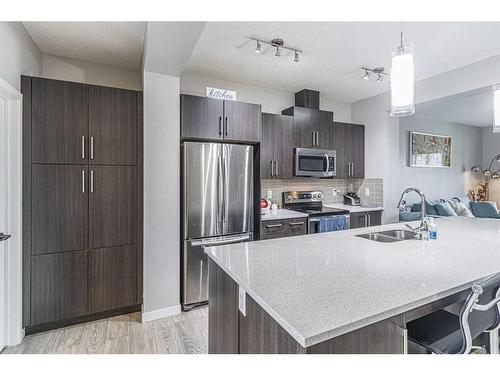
[(394, 235)]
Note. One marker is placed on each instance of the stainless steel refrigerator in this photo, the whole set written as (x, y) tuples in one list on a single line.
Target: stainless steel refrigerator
[(217, 208)]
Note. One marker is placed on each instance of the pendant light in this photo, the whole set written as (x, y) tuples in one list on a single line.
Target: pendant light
[(402, 80), (496, 109)]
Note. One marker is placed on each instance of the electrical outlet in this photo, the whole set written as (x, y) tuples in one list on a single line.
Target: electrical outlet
[(269, 194), (367, 192), (335, 191)]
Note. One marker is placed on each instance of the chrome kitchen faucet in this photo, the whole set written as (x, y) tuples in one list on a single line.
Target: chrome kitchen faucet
[(423, 230)]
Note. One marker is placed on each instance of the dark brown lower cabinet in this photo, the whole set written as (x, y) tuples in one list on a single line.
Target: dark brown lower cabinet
[(283, 228), (112, 278), (58, 286), (365, 219)]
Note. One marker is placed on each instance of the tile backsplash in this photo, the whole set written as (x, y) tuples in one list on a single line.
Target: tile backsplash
[(375, 188)]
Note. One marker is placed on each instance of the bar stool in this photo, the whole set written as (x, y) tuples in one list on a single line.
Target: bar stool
[(442, 332)]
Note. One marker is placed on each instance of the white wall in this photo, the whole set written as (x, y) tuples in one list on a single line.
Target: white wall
[(491, 148), (455, 181), (68, 69), (272, 101), (19, 54), (161, 196)]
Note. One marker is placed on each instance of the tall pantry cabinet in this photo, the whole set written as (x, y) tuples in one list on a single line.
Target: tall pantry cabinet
[(82, 202)]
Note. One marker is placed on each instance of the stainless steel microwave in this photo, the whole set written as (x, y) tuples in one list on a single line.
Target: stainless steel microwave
[(311, 162)]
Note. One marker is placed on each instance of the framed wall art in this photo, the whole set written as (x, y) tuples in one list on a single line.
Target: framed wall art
[(429, 150)]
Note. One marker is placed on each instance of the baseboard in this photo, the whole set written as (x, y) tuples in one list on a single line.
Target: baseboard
[(162, 313)]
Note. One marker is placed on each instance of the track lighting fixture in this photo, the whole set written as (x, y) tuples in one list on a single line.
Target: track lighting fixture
[(279, 44), (379, 72), (296, 58), (257, 48)]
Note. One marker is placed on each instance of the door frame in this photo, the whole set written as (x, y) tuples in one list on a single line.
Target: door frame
[(12, 136)]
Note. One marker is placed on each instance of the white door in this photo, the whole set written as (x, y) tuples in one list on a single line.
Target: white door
[(3, 214), (11, 331)]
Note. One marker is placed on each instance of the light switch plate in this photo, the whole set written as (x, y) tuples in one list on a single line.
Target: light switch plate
[(335, 191), (242, 300), (269, 194), (367, 192)]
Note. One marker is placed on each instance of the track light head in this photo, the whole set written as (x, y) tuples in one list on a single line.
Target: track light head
[(278, 52), (257, 48), (296, 58), (367, 75), (380, 78)]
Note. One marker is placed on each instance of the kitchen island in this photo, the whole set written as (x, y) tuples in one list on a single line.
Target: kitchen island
[(338, 293)]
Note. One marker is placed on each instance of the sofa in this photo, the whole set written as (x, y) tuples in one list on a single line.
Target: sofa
[(459, 206)]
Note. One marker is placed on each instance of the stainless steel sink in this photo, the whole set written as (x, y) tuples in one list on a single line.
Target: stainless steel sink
[(389, 235), (400, 234)]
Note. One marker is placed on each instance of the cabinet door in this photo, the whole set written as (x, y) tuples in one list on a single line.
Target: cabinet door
[(375, 218), (112, 206), (273, 229), (283, 146), (358, 220), (297, 227), (325, 130), (58, 286), (59, 122), (112, 126), (242, 121), (340, 135), (201, 117), (302, 130), (59, 208), (267, 146), (356, 149), (112, 278)]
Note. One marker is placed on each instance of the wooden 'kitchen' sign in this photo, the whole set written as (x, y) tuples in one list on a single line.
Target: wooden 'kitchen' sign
[(215, 93)]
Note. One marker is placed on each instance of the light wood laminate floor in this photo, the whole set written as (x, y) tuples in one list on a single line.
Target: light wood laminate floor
[(186, 333)]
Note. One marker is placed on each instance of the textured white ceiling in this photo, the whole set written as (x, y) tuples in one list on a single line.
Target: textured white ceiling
[(470, 108), (334, 50), (115, 43)]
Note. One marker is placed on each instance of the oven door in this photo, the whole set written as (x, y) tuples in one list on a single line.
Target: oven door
[(315, 163), (315, 227)]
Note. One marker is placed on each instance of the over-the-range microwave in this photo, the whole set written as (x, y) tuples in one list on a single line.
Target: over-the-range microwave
[(311, 162)]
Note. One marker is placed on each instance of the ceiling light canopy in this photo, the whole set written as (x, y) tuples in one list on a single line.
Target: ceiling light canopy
[(496, 109), (279, 45), (402, 77)]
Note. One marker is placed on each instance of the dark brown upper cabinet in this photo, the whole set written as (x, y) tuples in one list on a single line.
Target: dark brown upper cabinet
[(349, 142), (201, 117), (112, 206), (312, 128), (214, 119), (276, 146), (59, 122), (59, 206), (112, 126)]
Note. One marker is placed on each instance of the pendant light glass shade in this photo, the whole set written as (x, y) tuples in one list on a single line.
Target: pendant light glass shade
[(496, 109), (402, 78)]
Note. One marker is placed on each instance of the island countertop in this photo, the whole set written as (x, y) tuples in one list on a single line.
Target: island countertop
[(323, 285)]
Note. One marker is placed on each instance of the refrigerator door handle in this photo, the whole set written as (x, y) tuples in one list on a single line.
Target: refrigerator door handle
[(226, 241), (220, 199), (226, 187)]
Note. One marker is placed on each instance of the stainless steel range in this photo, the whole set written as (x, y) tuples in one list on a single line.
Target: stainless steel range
[(320, 218)]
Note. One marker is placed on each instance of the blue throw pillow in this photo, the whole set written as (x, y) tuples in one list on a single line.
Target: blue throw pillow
[(464, 200), (445, 209), (485, 209), (430, 207)]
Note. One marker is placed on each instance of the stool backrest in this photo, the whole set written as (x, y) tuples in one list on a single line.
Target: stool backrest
[(474, 321)]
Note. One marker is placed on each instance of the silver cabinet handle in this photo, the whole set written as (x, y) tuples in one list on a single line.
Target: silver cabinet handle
[(269, 226), (369, 220), (227, 132), (92, 181), (272, 168), (83, 147), (91, 148), (220, 126), (352, 167), (312, 142), (276, 167), (296, 223), (83, 181), (317, 138)]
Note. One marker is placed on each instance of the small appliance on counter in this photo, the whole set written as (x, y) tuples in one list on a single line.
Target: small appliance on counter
[(352, 199), (320, 218)]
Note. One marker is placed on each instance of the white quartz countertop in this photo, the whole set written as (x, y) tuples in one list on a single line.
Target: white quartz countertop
[(323, 285), (282, 214), (355, 209)]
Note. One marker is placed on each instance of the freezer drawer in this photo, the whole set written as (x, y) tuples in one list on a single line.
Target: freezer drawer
[(195, 267)]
